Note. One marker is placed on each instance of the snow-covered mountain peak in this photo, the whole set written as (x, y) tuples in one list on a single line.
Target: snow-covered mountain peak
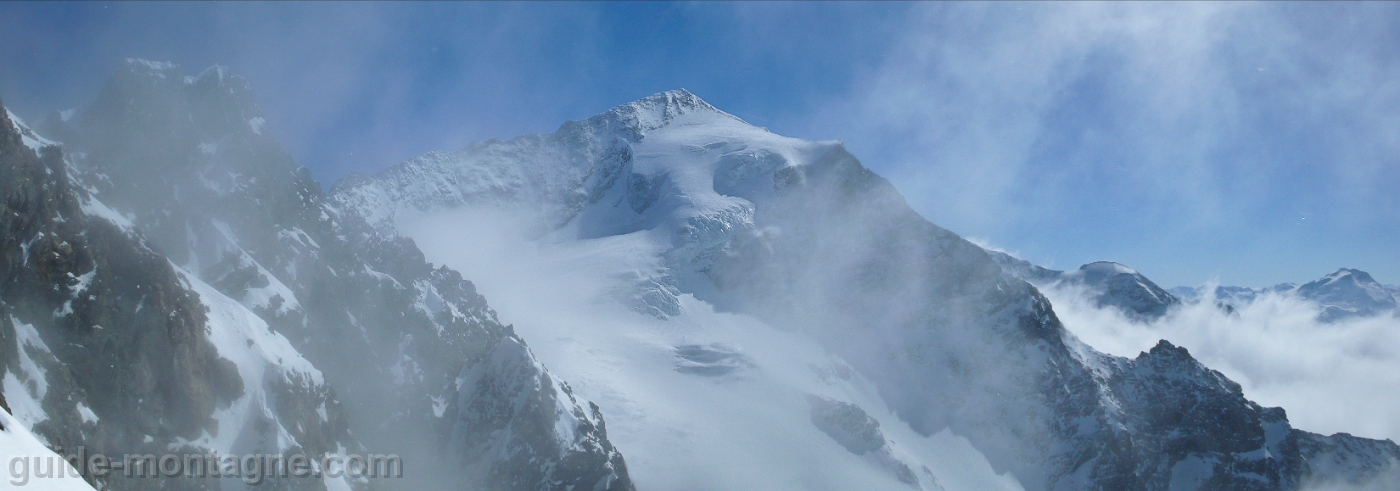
[(671, 144), (1123, 286), (138, 65), (1348, 282), (1348, 292), (1354, 276), (1345, 293), (1106, 269), (137, 69), (723, 232), (154, 93), (1108, 282), (658, 110), (634, 120)]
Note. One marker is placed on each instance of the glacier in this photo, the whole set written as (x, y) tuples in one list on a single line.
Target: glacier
[(691, 271)]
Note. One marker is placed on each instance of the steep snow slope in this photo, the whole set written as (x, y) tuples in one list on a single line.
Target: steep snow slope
[(31, 465), (694, 395), (703, 397), (748, 259)]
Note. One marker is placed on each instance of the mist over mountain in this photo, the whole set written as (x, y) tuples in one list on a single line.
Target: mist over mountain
[(1344, 294), (301, 330), (727, 307), (1111, 284), (671, 198), (1286, 345)]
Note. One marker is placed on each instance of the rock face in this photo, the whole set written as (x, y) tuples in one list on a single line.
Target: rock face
[(203, 221), (510, 392), (1111, 284), (109, 346), (801, 235)]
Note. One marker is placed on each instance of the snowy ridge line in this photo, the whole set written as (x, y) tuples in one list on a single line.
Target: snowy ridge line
[(693, 211)]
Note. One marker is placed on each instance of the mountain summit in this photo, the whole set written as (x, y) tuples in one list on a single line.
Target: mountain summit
[(750, 311), (1348, 293), (658, 110), (778, 282)]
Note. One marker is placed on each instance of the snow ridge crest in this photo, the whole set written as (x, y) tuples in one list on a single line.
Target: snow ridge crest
[(658, 110)]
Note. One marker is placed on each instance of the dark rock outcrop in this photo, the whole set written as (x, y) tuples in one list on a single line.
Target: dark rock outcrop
[(188, 165), (1111, 285)]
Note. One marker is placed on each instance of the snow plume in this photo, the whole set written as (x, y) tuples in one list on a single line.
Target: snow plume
[(822, 334), (704, 396), (782, 272), (1330, 377)]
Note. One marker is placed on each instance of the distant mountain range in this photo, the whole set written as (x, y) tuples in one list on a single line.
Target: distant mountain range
[(1344, 294), (765, 313)]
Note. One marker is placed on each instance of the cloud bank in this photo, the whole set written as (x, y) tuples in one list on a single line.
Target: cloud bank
[(1334, 377)]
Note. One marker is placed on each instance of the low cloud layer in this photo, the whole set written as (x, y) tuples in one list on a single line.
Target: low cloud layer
[(1333, 377)]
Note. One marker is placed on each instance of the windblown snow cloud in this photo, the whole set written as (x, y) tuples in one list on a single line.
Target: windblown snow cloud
[(703, 397), (1330, 377), (1261, 135)]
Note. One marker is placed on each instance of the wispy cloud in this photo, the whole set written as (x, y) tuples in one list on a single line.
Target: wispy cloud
[(1246, 140), (1142, 132)]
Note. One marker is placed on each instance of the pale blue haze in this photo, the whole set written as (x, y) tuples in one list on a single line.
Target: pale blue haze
[(1254, 143)]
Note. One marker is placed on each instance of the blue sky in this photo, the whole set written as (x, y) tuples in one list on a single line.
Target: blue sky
[(1254, 143)]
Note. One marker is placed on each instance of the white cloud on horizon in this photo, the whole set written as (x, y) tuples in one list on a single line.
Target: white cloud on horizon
[(1329, 377)]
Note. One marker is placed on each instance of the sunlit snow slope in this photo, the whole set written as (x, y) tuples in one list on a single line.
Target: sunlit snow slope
[(698, 399), (761, 312)]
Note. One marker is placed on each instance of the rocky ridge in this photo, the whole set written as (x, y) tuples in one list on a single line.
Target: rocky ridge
[(198, 179)]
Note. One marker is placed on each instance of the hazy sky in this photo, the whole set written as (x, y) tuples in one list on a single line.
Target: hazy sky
[(1254, 143)]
